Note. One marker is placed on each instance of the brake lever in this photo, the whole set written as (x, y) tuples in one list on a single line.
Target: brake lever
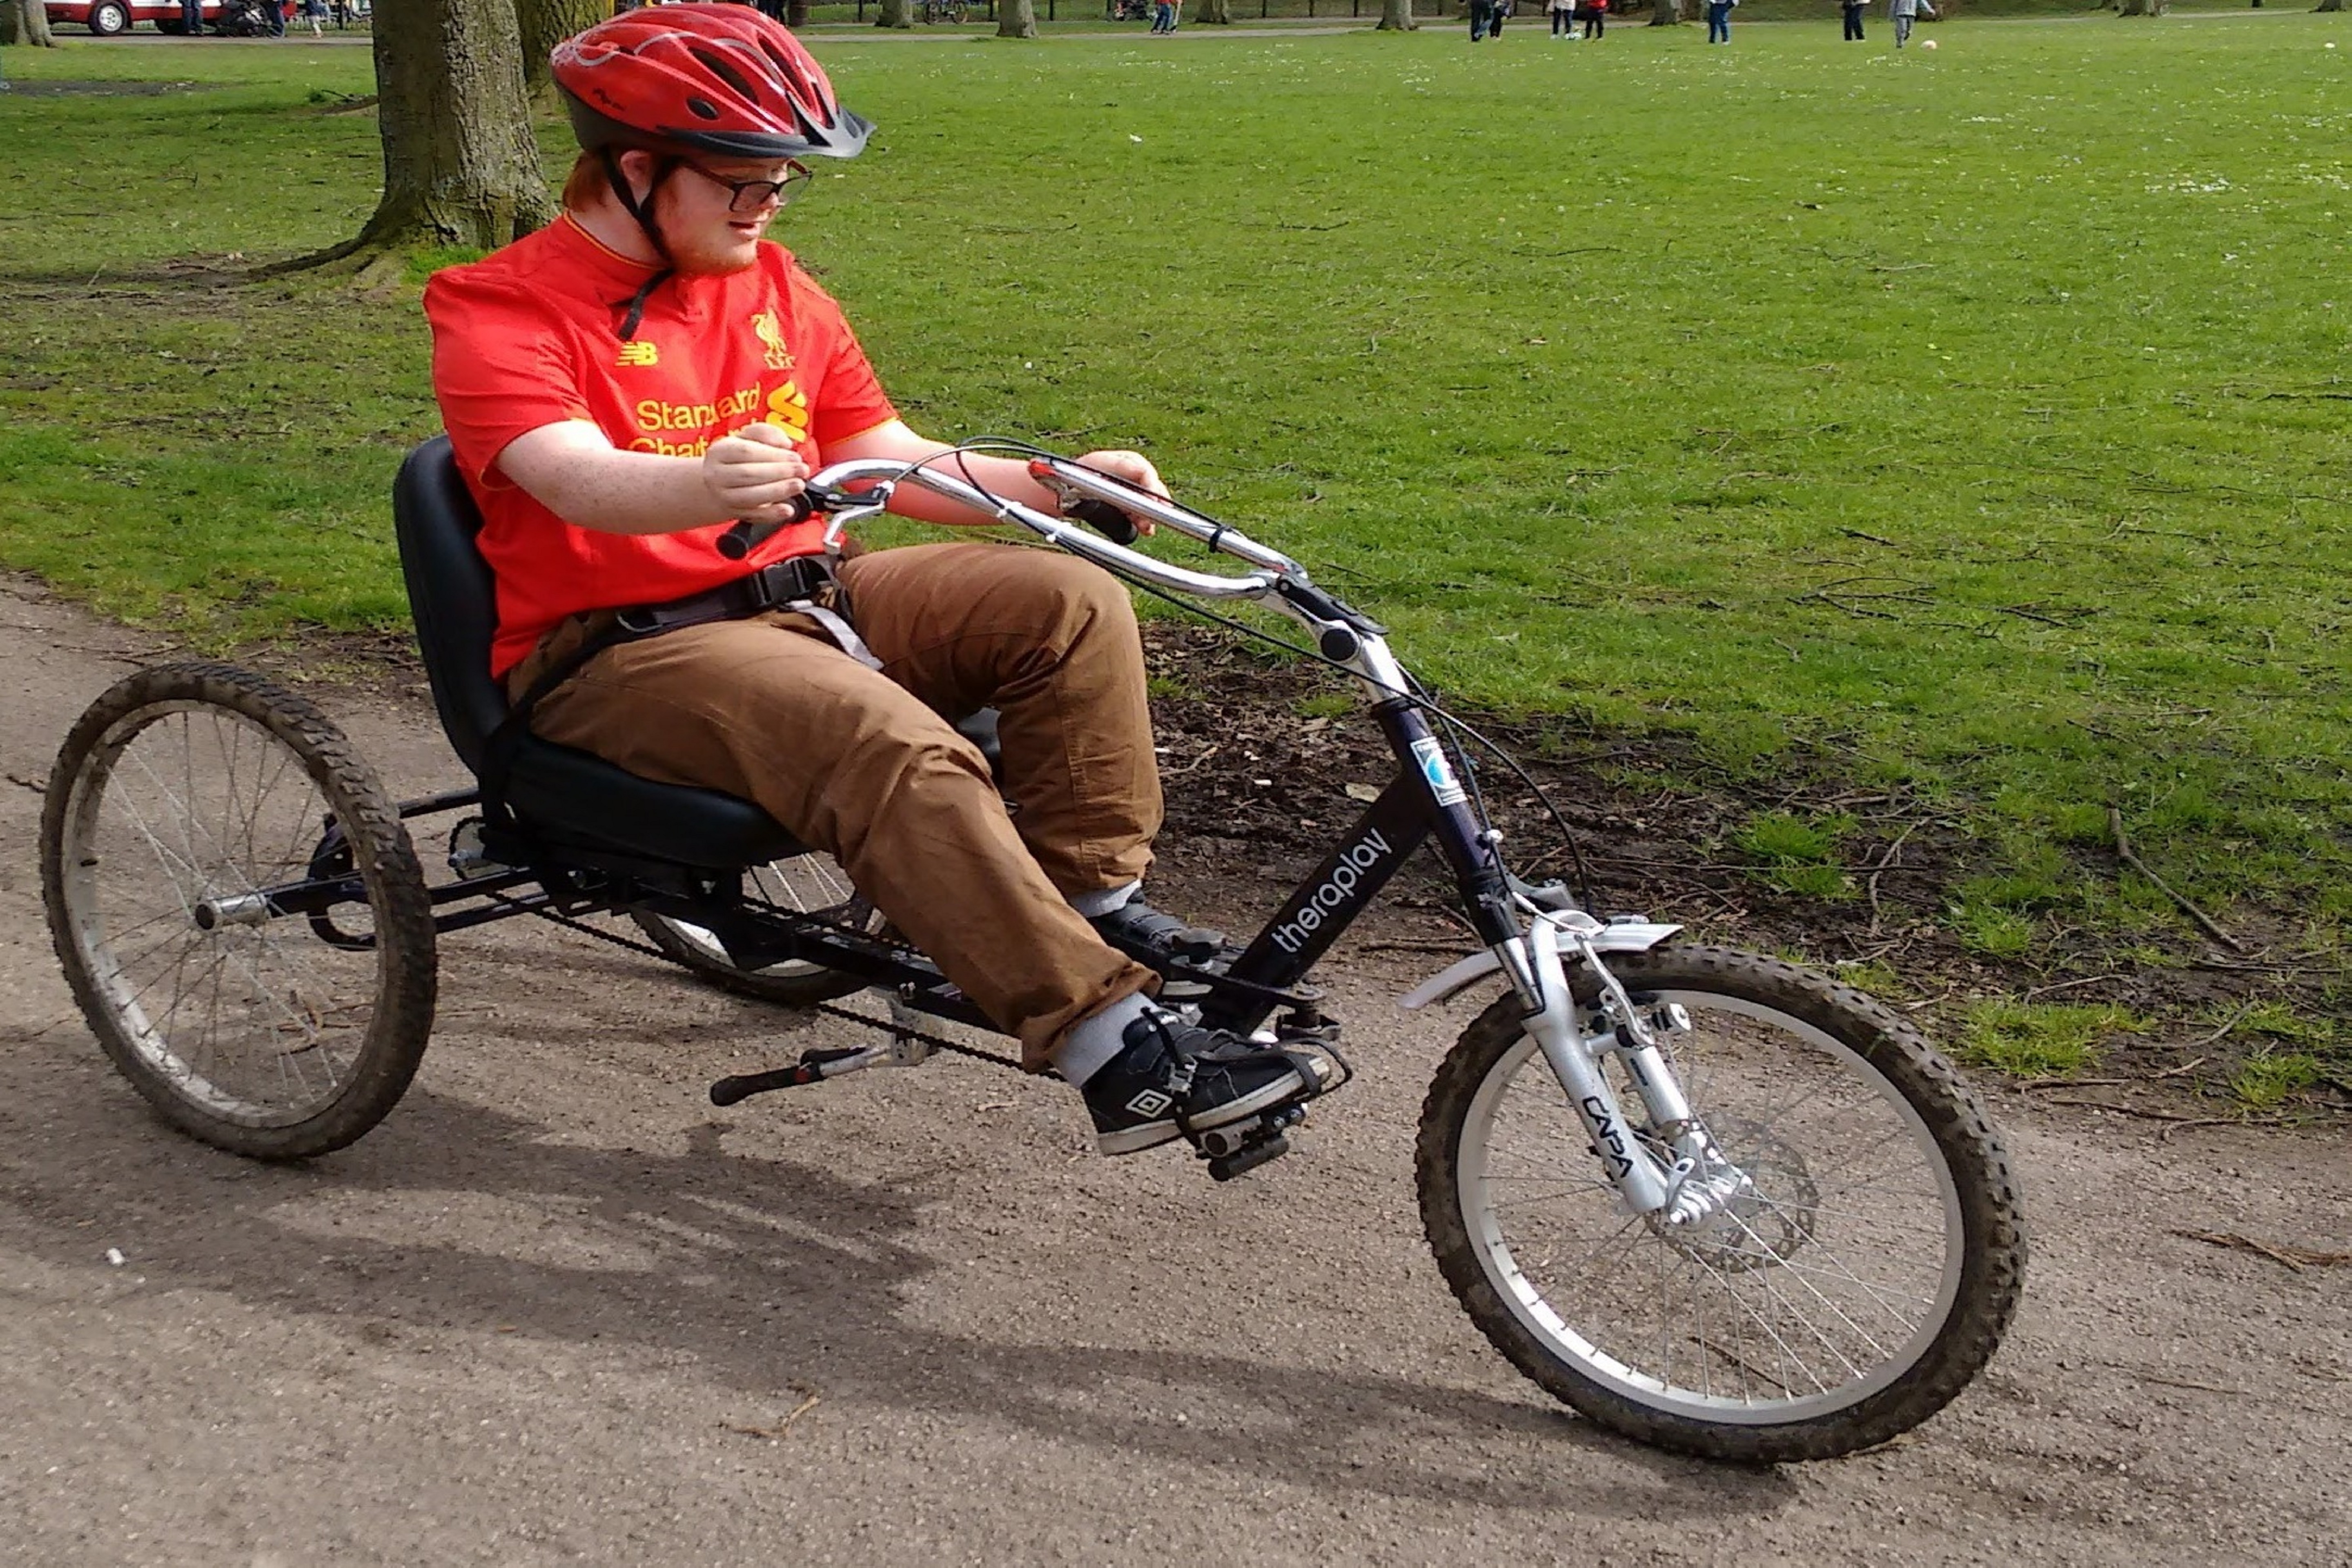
[(1097, 513)]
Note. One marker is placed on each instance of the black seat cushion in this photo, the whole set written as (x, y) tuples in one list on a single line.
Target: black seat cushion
[(454, 599)]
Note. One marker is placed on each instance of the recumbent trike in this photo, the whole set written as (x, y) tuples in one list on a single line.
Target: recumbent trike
[(1712, 1200)]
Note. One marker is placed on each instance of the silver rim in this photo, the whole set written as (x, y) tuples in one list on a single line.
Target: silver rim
[(187, 807), (1821, 1290), (811, 884)]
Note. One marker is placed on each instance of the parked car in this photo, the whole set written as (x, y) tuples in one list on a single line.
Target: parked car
[(109, 18)]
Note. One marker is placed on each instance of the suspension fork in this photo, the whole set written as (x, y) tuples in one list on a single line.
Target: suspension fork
[(1698, 1180)]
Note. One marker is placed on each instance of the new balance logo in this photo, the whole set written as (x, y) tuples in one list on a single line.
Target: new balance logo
[(1150, 1102), (638, 352)]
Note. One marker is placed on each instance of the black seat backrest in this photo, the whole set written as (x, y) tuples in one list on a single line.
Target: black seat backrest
[(578, 796), (451, 594)]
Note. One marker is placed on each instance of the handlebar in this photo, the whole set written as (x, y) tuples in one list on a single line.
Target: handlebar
[(739, 540), (745, 537), (1087, 494)]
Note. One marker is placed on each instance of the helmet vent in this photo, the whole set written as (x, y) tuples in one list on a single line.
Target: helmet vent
[(703, 107), (718, 65)]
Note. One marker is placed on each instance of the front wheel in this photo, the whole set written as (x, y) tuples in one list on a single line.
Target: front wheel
[(110, 20), (1857, 1283)]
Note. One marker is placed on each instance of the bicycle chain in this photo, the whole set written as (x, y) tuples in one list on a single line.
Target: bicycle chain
[(935, 1042)]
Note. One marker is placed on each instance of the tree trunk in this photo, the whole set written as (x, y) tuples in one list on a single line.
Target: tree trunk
[(1016, 19), (796, 12), (895, 14), (26, 22), (2329, 5), (1396, 17), (545, 23), (1217, 11), (460, 165), (2141, 8), (1666, 13)]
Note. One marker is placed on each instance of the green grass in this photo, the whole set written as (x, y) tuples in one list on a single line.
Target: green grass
[(2027, 1039), (1797, 854), (1971, 423)]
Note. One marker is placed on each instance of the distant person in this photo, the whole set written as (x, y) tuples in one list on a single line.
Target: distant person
[(1563, 19), (1596, 17), (1163, 16), (1904, 13), (1852, 9), (1719, 20), (1482, 12), (273, 18), (1495, 18), (191, 18)]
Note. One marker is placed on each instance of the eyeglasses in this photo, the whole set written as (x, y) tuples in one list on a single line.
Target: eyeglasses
[(751, 196)]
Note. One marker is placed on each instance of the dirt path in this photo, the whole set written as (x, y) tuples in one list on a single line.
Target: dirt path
[(555, 1309)]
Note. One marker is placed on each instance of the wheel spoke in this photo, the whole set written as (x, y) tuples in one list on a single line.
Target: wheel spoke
[(199, 784), (1820, 1279)]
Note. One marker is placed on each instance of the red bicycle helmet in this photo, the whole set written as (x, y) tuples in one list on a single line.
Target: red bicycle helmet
[(716, 79)]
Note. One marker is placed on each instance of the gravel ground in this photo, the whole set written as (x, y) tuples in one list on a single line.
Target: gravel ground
[(556, 1309)]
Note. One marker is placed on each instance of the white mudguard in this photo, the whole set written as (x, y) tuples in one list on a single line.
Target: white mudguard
[(1626, 936)]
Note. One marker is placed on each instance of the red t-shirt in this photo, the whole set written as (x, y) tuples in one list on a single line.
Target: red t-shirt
[(530, 336)]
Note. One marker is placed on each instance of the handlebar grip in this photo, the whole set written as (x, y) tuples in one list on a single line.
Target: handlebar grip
[(1106, 520), (745, 537)]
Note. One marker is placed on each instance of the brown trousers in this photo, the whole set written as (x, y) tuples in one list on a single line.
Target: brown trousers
[(862, 764)]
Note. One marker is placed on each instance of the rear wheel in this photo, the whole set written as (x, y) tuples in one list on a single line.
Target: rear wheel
[(811, 884), (186, 802), (1847, 1294), (110, 20)]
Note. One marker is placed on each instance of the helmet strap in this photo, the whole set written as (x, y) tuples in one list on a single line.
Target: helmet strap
[(642, 210)]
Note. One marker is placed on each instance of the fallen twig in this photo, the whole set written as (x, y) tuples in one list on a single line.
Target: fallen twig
[(1877, 914), (780, 1429), (2175, 1382), (2124, 852), (2296, 1258), (2068, 985), (2228, 1024), (2158, 1115)]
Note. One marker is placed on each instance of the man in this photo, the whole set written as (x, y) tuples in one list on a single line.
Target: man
[(1905, 12), (1852, 9), (623, 386)]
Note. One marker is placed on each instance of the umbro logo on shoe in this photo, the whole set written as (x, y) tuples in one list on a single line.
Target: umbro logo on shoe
[(1152, 1102)]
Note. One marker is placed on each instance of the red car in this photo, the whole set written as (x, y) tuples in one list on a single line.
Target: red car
[(106, 18)]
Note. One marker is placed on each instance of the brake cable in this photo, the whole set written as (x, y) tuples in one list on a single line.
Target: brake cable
[(1418, 695)]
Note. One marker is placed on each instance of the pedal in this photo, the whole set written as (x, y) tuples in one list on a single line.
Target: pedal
[(1225, 1167), (1245, 1145)]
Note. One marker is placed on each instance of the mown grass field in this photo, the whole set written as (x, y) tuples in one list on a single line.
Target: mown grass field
[(1969, 424)]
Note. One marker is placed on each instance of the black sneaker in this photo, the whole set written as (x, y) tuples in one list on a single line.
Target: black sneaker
[(1140, 932), (1174, 1078)]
